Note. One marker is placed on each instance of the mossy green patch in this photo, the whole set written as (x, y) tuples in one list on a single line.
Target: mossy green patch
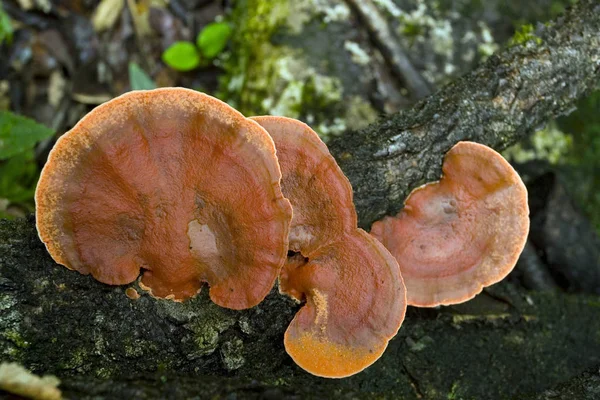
[(7, 301), (550, 144), (77, 360), (136, 348), (232, 354), (453, 395), (16, 338), (271, 71), (582, 161), (256, 21), (525, 33)]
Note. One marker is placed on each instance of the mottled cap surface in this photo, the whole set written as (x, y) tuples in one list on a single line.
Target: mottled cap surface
[(355, 299), (171, 182), (456, 236)]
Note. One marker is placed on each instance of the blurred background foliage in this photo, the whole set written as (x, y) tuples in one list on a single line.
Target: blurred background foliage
[(582, 162), (308, 59)]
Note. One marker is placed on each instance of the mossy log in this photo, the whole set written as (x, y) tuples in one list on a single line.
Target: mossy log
[(100, 342)]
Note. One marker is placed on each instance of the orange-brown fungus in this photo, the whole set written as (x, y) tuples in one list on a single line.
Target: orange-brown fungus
[(175, 183), (132, 293), (458, 235), (320, 193), (355, 297)]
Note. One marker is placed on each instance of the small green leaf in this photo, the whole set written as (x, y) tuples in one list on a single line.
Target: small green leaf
[(6, 29), (138, 79), (18, 134), (182, 56), (213, 38), (18, 177)]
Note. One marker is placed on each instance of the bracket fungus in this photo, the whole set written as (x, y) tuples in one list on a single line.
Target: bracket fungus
[(458, 235), (355, 297), (175, 183)]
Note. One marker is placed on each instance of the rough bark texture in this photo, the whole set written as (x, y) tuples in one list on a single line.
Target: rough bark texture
[(104, 345), (101, 343), (515, 92), (583, 387)]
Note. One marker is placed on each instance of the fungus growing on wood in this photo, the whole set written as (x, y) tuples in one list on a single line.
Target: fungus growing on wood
[(355, 297), (458, 235), (132, 293), (173, 182)]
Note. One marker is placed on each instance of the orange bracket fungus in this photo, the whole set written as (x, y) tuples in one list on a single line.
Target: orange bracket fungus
[(172, 182), (355, 297), (458, 235)]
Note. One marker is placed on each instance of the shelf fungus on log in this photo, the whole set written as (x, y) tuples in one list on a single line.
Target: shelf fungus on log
[(458, 235), (175, 183), (355, 297)]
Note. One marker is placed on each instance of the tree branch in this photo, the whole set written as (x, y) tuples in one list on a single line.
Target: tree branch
[(102, 344), (514, 93)]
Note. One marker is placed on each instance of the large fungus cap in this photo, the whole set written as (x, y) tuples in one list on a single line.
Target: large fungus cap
[(355, 297), (174, 182), (456, 236)]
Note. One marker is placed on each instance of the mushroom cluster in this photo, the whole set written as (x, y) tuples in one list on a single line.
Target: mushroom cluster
[(338, 332), (182, 187)]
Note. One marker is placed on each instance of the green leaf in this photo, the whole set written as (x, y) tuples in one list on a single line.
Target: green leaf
[(138, 79), (18, 134), (6, 29), (18, 177), (182, 56), (213, 38)]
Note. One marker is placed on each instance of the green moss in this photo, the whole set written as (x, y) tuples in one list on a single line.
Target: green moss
[(10, 320), (283, 83), (550, 144), (524, 34), (232, 354), (135, 348), (412, 30), (515, 339), (420, 344), (7, 301), (360, 113), (104, 372), (453, 395), (582, 161), (245, 80), (266, 77), (206, 339), (77, 360), (205, 331), (593, 303), (15, 338)]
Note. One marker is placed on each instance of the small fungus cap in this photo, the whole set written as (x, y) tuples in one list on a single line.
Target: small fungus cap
[(320, 193), (456, 236), (355, 297), (355, 303), (173, 182)]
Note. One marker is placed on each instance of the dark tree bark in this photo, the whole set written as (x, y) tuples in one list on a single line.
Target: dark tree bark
[(514, 93), (100, 342), (583, 387)]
